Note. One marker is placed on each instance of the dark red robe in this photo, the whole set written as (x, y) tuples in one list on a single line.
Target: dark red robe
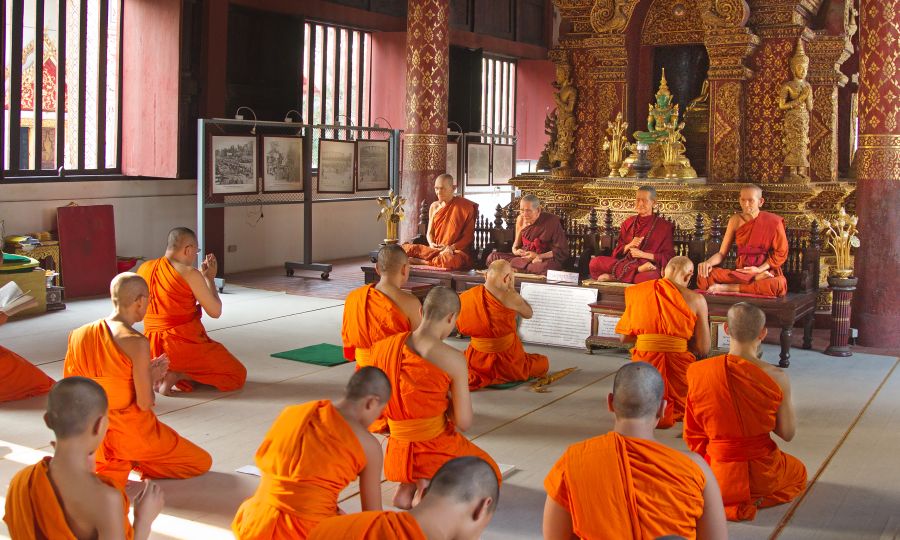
[(657, 234), (545, 234)]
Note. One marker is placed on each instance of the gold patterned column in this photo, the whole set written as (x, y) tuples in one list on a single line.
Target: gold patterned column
[(826, 54)]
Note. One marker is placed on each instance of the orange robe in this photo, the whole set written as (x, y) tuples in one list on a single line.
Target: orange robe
[(173, 326), (369, 316), (135, 439), (759, 241), (655, 312), (454, 224), (495, 354), (621, 487), (19, 378), (731, 407), (308, 456), (369, 526), (422, 437), (34, 512)]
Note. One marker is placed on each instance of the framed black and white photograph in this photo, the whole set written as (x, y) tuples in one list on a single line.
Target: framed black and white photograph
[(337, 161), (453, 160), (478, 164), (282, 163), (373, 169), (233, 169), (503, 164)]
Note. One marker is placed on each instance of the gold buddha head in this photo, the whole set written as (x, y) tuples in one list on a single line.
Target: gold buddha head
[(563, 74), (799, 62)]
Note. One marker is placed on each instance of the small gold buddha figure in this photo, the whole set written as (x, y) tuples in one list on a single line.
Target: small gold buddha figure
[(796, 100), (565, 98)]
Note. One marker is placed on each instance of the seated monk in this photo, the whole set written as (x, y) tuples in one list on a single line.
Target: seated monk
[(374, 312), (733, 402), (625, 484), (540, 244), (19, 378), (115, 355), (669, 326), (644, 245), (762, 248), (310, 454), (459, 504), (61, 496), (488, 314), (430, 399), (451, 230), (177, 293)]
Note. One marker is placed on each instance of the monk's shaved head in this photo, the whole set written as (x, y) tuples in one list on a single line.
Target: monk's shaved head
[(745, 322), (753, 187), (368, 381), (637, 390), (391, 258), (178, 236), (440, 303), (73, 405), (498, 269), (679, 266), (445, 179), (466, 479), (126, 288)]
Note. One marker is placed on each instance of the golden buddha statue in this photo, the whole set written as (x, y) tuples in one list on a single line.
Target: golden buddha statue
[(565, 98), (796, 100), (660, 115)]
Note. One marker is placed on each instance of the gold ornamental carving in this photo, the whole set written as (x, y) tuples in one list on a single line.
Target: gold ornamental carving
[(726, 163), (611, 16), (823, 140), (796, 100), (725, 13), (673, 23), (878, 158), (424, 152), (565, 97), (615, 144)]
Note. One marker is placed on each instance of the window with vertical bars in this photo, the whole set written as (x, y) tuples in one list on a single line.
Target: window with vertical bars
[(61, 87), (498, 99)]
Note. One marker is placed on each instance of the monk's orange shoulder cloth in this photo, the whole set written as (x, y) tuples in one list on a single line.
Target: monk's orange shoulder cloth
[(33, 511), (626, 488), (19, 378), (455, 224), (369, 316), (308, 456), (369, 526)]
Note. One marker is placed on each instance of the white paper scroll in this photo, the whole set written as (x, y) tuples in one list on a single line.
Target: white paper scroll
[(561, 314), (606, 326)]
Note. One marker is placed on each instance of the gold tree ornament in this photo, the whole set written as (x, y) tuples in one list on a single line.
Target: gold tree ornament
[(841, 236), (392, 213), (616, 143)]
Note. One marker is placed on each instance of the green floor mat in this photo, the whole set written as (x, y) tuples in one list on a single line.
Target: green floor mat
[(508, 385), (323, 354)]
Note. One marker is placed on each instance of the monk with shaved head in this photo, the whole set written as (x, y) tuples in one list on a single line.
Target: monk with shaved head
[(734, 402), (430, 401), (311, 453), (179, 293), (625, 484), (115, 355), (488, 315), (62, 497), (540, 243), (451, 229), (19, 378)]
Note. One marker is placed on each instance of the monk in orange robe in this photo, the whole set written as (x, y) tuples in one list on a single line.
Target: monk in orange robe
[(178, 291), (670, 327), (61, 497), (540, 244), (451, 230), (488, 315), (311, 453), (19, 378), (459, 504), (115, 355), (734, 402), (625, 484), (430, 400), (762, 249)]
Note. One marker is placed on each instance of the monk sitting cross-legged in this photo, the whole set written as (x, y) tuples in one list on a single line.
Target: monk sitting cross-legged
[(173, 318), (625, 484), (459, 504), (19, 378), (311, 453), (430, 399), (734, 401), (115, 355), (540, 243), (61, 497), (670, 328), (495, 354), (451, 230), (762, 249)]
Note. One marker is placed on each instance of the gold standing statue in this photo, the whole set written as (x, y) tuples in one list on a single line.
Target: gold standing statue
[(565, 98), (796, 100), (616, 143)]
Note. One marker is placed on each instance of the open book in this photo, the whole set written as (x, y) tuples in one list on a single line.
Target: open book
[(13, 300)]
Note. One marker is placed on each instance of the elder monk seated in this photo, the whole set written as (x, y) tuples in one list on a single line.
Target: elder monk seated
[(451, 230), (540, 242)]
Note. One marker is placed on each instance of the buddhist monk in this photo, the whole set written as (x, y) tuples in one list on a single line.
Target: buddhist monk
[(115, 355), (669, 326), (451, 230), (488, 314), (61, 497), (430, 400), (762, 249), (459, 504), (644, 246), (178, 291), (374, 312), (540, 243), (734, 401), (311, 453), (19, 378), (625, 484)]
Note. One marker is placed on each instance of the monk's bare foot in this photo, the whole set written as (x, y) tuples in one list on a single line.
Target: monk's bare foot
[(718, 288), (167, 386), (403, 499), (603, 277), (133, 488), (421, 486)]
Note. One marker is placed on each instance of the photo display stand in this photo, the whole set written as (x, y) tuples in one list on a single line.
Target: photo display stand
[(479, 159)]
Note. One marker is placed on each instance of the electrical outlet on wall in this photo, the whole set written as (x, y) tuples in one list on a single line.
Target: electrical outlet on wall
[(232, 248)]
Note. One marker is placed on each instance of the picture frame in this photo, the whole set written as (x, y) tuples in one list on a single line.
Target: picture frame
[(503, 164), (337, 165), (478, 164), (233, 165), (282, 164), (373, 165), (453, 160)]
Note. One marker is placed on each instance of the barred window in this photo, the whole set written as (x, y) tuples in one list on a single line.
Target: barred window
[(498, 99)]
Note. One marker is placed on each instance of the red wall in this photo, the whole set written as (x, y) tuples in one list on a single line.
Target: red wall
[(534, 99), (388, 94)]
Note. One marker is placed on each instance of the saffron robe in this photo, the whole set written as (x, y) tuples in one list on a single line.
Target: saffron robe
[(454, 224), (308, 456), (621, 487), (657, 234), (135, 439), (495, 354), (369, 316), (34, 512), (731, 408), (369, 526), (761, 240), (545, 234), (173, 326), (653, 309), (422, 437), (19, 378)]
